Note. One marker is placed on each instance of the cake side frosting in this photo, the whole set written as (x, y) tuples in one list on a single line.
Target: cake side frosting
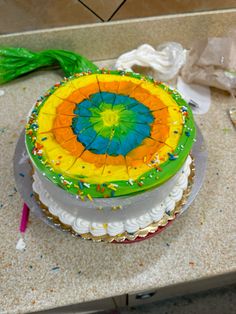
[(108, 209), (153, 212), (109, 134)]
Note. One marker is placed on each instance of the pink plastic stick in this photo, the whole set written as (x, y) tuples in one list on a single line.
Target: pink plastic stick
[(24, 218)]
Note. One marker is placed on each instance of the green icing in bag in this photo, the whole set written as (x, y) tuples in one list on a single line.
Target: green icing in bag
[(15, 62)]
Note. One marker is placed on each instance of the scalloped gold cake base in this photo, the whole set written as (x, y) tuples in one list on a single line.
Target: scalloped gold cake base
[(141, 233)]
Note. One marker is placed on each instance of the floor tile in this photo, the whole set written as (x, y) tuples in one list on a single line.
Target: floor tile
[(135, 8), (103, 8), (21, 15)]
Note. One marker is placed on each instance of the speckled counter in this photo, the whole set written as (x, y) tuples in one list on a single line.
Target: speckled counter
[(57, 269)]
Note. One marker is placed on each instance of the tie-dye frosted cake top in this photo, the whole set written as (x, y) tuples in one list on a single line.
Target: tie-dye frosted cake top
[(109, 133)]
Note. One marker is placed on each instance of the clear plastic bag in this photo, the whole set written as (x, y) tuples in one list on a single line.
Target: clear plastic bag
[(212, 62)]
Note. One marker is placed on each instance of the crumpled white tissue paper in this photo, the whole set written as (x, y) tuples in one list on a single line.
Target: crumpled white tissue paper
[(166, 60)]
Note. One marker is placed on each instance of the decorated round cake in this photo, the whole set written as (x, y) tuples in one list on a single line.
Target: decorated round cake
[(110, 151)]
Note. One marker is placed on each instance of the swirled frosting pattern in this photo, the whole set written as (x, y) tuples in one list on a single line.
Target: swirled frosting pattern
[(107, 134)]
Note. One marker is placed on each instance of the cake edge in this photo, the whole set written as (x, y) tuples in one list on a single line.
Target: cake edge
[(132, 227)]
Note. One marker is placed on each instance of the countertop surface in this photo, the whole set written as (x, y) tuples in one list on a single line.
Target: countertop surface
[(57, 269)]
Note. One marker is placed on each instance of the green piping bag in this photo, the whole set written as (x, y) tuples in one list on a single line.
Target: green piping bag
[(15, 62)]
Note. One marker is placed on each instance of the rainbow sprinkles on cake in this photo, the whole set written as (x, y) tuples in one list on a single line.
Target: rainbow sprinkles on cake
[(110, 151)]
